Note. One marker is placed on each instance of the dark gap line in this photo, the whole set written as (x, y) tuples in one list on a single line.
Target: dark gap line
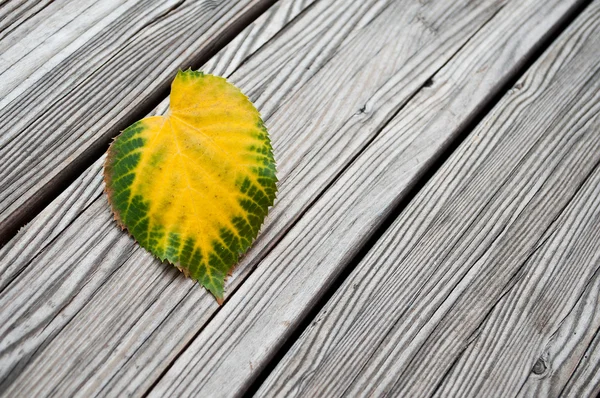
[(131, 358), (17, 21), (21, 364), (517, 275), (48, 244), (580, 363), (53, 188), (412, 190), (280, 32), (519, 272)]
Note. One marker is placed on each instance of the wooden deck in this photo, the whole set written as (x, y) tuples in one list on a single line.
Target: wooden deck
[(437, 227)]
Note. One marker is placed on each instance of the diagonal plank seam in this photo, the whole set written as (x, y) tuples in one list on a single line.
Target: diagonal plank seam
[(118, 267), (288, 26), (323, 64), (160, 93), (49, 243), (391, 329), (121, 267), (51, 336), (148, 337), (150, 304), (25, 127), (157, 109), (363, 251), (10, 28), (517, 275), (591, 343), (393, 326), (429, 171), (500, 232), (545, 236)]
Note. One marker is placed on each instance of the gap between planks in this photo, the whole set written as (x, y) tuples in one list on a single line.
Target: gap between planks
[(405, 93), (362, 250), (425, 80)]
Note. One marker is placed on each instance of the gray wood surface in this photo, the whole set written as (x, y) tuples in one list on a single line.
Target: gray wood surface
[(56, 122), (41, 34), (85, 310), (519, 339), (585, 380), (245, 335), (569, 361), (474, 288), (13, 14)]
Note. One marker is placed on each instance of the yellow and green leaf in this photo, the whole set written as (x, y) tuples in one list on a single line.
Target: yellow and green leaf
[(194, 186)]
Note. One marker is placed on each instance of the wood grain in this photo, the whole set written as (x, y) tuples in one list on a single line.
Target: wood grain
[(124, 317), (585, 381), (55, 126), (570, 355), (130, 349), (243, 337), (31, 240), (19, 251), (47, 34), (14, 14), (517, 342), (513, 213)]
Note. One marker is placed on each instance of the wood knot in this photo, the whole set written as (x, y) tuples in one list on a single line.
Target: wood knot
[(362, 112), (539, 368)]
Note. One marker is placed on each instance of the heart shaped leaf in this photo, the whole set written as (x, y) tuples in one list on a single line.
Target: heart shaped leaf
[(194, 186)]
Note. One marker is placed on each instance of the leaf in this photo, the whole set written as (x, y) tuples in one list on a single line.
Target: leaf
[(194, 186)]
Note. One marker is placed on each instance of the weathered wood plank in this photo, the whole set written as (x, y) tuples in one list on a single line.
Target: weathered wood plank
[(49, 224), (13, 14), (507, 230), (242, 338), (585, 381), (47, 34), (55, 126), (570, 356), (52, 222), (125, 329), (301, 51), (33, 238), (511, 344)]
